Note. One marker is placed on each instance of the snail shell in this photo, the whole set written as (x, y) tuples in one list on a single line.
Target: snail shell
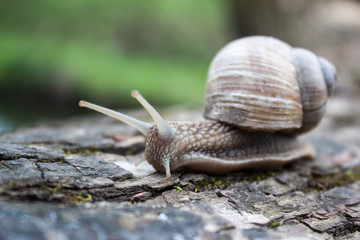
[(258, 89), (263, 84)]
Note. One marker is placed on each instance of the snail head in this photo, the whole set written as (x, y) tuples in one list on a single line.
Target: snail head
[(160, 128)]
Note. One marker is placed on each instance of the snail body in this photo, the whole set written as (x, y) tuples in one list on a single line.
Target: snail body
[(216, 148), (260, 95)]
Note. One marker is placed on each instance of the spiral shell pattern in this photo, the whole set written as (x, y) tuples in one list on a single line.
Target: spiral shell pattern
[(263, 84), (252, 83)]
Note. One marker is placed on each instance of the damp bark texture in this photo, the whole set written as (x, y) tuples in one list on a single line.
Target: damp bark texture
[(76, 180)]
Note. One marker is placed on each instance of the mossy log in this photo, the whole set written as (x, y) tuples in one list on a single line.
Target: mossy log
[(76, 179)]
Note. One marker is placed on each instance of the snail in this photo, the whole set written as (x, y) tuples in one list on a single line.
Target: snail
[(261, 95)]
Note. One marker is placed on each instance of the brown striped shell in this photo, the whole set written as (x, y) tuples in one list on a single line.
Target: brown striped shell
[(263, 84)]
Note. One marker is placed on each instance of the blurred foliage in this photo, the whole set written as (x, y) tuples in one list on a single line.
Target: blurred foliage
[(55, 52)]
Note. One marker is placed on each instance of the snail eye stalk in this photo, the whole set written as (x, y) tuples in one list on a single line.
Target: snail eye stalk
[(163, 127), (143, 127)]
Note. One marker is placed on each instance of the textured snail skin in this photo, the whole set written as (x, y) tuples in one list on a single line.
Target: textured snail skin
[(216, 148)]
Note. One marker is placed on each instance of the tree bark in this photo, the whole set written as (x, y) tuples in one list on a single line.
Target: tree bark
[(76, 179)]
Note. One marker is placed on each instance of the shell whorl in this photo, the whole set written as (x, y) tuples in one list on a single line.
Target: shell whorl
[(263, 84), (313, 87), (329, 73)]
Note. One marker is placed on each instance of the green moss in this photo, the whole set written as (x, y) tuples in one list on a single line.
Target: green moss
[(81, 151), (178, 188), (222, 183), (259, 176), (53, 190), (81, 198), (211, 184), (274, 224), (337, 179), (219, 183)]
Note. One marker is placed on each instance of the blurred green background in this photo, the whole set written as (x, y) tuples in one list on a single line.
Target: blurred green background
[(54, 53)]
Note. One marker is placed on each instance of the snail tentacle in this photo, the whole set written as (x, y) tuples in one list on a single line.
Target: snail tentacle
[(163, 127), (166, 162), (143, 127)]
